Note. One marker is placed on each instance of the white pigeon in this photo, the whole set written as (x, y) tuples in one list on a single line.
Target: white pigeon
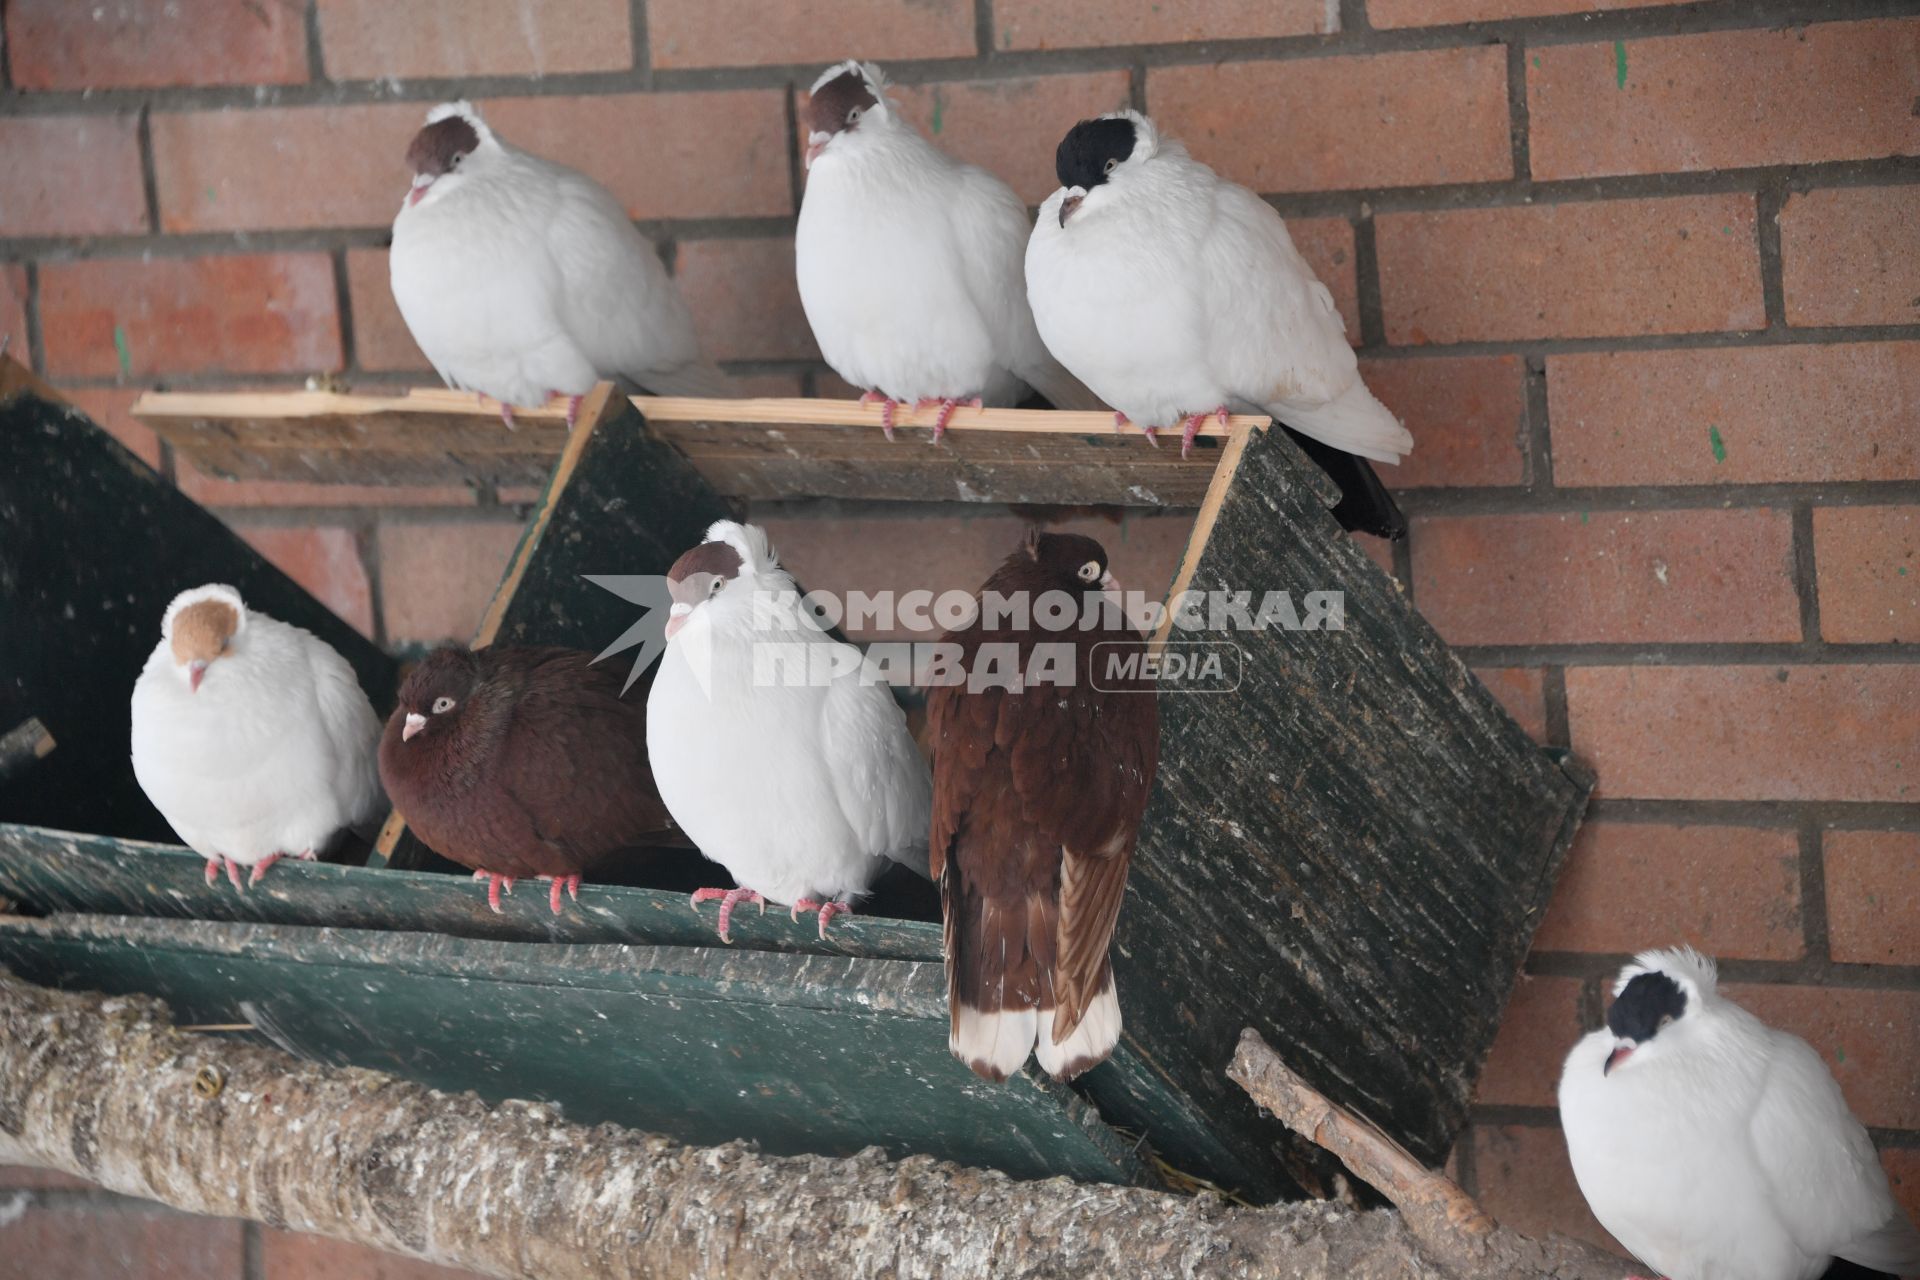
[(772, 752), (1177, 295), (521, 278), (251, 737), (909, 262), (1715, 1147)]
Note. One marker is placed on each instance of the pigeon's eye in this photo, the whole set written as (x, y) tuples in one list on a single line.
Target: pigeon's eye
[(714, 588), (853, 116), (458, 157), (1090, 571), (442, 705), (1665, 1019), (1112, 164)]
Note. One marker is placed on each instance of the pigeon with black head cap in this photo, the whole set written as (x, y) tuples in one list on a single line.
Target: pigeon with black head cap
[(1178, 296), (1716, 1147)]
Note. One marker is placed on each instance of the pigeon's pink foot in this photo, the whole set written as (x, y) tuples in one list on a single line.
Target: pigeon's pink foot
[(233, 874), (573, 409), (728, 897), (887, 406), (506, 414), (947, 406), (213, 872), (828, 910), (260, 867), (1120, 422), (570, 883), (1194, 420), (495, 883)]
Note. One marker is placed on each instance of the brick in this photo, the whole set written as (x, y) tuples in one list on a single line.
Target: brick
[(1327, 246), (1010, 127), (1870, 1040), (1732, 892), (380, 337), (1523, 1178), (142, 44), (1869, 573), (1873, 896), (287, 1256), (111, 410), (436, 578), (20, 1177), (1847, 256), (434, 39), (1903, 1173), (1522, 691), (1431, 13), (1835, 91), (1386, 120), (238, 313), (1735, 416), (1750, 732), (1468, 417), (114, 1243), (745, 303), (956, 553), (13, 310), (1685, 264), (71, 176), (1542, 1021), (682, 155), (1608, 577), (325, 561), (749, 33), (1079, 24), (219, 492)]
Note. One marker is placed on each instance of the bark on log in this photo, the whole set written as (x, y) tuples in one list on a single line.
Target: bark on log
[(107, 1089)]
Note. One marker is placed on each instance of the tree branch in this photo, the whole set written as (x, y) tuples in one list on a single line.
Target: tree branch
[(1444, 1219)]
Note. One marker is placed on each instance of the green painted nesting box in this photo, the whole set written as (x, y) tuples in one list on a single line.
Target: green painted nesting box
[(1349, 851)]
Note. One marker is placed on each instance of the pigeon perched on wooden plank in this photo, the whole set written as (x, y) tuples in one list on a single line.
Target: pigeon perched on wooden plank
[(1177, 296), (521, 761), (521, 278), (1712, 1145), (251, 737), (909, 262), (1038, 792), (773, 746)]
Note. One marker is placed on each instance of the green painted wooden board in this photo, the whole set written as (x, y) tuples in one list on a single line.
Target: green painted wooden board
[(800, 1053), (93, 546)]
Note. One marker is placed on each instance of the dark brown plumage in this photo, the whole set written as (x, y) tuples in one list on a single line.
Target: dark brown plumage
[(521, 761), (437, 148), (1037, 800), (831, 108)]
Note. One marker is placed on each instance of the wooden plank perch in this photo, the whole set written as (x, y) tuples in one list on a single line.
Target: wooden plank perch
[(765, 449), (109, 1090)]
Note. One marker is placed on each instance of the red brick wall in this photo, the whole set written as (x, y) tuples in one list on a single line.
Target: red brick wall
[(1643, 281)]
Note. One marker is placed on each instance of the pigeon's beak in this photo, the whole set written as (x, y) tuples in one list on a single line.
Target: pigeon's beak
[(196, 672), (816, 143), (677, 618), (415, 723), (421, 181), (1622, 1050), (1074, 196)]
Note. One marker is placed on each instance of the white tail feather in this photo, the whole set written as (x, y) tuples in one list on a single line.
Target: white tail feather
[(1090, 1042), (1353, 421), (994, 1044)]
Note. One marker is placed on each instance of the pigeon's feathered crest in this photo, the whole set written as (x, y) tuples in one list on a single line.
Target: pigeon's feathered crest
[(211, 591), (876, 79), (751, 541), (1695, 973), (464, 110)]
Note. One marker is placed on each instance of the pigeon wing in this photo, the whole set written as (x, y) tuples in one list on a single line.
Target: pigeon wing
[(882, 783)]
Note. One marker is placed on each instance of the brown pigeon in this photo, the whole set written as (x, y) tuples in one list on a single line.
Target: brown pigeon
[(1038, 791), (521, 761)]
